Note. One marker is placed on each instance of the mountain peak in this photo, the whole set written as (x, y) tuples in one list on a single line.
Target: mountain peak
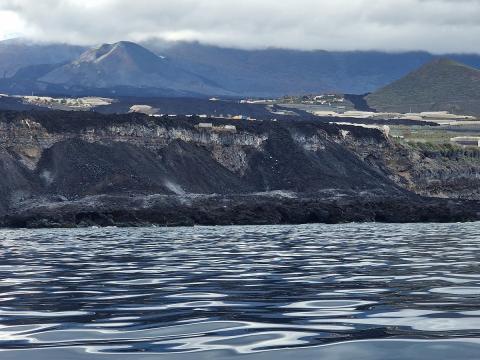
[(125, 43), (446, 62), (124, 49), (127, 64)]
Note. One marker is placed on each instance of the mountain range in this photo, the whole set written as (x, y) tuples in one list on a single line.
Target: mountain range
[(16, 54), (156, 68)]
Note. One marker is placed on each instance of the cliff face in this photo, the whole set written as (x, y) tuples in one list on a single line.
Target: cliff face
[(60, 157), (443, 171), (146, 155)]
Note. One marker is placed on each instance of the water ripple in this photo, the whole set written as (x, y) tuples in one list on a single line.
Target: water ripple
[(215, 292)]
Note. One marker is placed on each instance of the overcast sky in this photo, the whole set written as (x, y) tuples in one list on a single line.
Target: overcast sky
[(438, 26)]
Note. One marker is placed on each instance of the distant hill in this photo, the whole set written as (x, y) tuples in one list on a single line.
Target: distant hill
[(127, 64), (440, 85)]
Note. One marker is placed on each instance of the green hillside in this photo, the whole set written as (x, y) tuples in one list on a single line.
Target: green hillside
[(441, 85)]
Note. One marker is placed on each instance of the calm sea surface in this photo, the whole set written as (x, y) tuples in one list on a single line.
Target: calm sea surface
[(327, 292)]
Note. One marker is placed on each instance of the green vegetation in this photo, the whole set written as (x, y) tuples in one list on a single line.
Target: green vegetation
[(436, 140), (449, 151), (433, 135), (442, 85)]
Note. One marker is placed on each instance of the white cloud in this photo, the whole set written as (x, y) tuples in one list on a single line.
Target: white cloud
[(11, 25), (433, 25)]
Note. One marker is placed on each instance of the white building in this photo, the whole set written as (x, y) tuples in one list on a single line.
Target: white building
[(466, 140)]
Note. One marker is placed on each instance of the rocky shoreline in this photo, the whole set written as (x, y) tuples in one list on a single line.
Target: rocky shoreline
[(255, 209), (63, 169)]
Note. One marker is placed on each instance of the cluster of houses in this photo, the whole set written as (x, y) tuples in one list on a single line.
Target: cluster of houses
[(205, 116), (324, 99), (84, 103)]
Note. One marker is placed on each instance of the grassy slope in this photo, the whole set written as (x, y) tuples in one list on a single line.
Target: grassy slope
[(441, 85)]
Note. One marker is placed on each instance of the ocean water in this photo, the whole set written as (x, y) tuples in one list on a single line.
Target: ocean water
[(368, 291)]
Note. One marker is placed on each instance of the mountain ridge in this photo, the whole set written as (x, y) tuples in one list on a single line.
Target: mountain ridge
[(127, 64), (194, 69)]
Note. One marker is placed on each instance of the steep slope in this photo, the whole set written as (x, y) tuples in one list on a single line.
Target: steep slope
[(126, 64), (441, 85), (78, 154), (70, 168), (16, 181)]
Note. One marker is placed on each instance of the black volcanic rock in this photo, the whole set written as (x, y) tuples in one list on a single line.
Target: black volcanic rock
[(252, 209), (16, 182), (79, 168), (84, 168)]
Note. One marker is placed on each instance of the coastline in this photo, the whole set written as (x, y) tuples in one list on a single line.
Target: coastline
[(275, 208), (64, 169)]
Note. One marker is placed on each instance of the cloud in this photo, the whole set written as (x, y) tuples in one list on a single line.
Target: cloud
[(10, 25), (438, 26)]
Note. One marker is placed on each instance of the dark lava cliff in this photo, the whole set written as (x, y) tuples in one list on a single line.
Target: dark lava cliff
[(68, 169)]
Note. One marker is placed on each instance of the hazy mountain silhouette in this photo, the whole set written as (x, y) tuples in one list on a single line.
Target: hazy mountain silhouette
[(130, 65), (177, 69)]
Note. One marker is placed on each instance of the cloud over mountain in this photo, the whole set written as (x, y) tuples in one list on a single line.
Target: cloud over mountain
[(434, 25)]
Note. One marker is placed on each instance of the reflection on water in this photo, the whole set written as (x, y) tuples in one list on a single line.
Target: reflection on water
[(324, 291)]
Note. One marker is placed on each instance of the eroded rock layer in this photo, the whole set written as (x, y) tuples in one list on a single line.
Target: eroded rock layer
[(66, 162)]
